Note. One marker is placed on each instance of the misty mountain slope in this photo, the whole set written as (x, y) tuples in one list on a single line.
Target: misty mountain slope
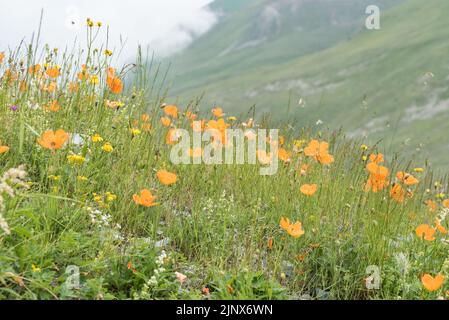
[(255, 33), (390, 84)]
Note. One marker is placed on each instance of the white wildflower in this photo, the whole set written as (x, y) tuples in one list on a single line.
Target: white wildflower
[(11, 179)]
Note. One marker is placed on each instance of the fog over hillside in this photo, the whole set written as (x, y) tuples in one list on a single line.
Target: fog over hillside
[(165, 25)]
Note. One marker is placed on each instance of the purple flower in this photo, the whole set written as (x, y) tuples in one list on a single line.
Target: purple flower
[(13, 108)]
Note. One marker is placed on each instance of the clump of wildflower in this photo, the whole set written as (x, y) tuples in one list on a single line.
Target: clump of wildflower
[(161, 261), (54, 177), (76, 159), (378, 174), (319, 151), (11, 179), (114, 83), (104, 200), (99, 218), (94, 80), (110, 197), (89, 23)]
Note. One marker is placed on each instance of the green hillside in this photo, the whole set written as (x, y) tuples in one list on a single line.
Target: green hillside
[(389, 84), (255, 33)]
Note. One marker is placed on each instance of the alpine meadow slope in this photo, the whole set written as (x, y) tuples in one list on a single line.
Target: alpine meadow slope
[(317, 62)]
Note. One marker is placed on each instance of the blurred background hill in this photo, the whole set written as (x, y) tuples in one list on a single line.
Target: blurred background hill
[(314, 61)]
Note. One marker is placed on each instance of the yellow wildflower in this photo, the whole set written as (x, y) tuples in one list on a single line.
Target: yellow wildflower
[(107, 147), (94, 80), (35, 269), (97, 138), (76, 159), (110, 196), (135, 131)]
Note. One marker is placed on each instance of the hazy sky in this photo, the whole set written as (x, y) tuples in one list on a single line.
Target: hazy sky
[(166, 25)]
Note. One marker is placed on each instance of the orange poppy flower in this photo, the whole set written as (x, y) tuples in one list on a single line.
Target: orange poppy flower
[(73, 87), (425, 231), (115, 85), (2, 56), (146, 127), (377, 180), (165, 121), (110, 72), (113, 82), (84, 75), (303, 169), (406, 178), (431, 205), (53, 72), (205, 291), (23, 86), (284, 155), (319, 151), (264, 157), (172, 136), (145, 117), (308, 189), (374, 169), (34, 69), (191, 116), (10, 76), (397, 193), (377, 158), (53, 140), (293, 229), (51, 87), (171, 111), (270, 243), (446, 203), (220, 125), (218, 112), (53, 106), (4, 149), (145, 198), (432, 283), (166, 178)]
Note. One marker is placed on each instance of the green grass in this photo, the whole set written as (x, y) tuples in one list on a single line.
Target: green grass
[(348, 83), (213, 225)]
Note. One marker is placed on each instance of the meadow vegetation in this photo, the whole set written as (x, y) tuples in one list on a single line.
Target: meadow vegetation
[(87, 185)]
